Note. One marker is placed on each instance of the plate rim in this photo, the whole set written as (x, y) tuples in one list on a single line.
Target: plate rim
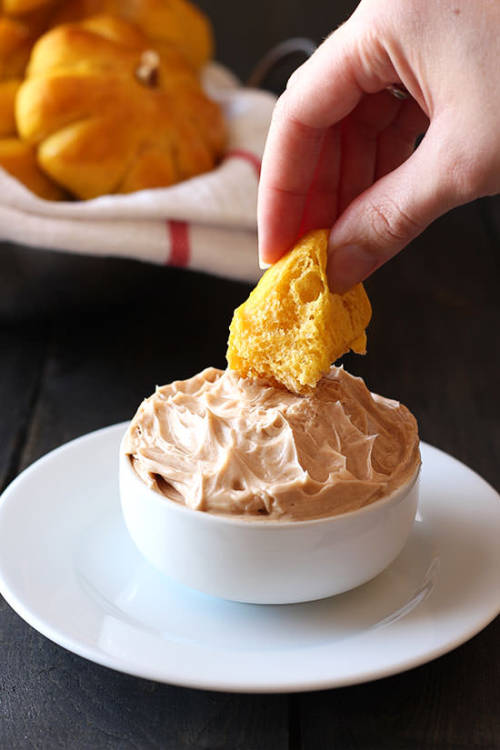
[(93, 654)]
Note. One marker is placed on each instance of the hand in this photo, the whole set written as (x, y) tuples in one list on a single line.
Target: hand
[(340, 150)]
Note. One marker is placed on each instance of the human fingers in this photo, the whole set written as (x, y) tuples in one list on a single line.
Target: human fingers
[(347, 162), (360, 134), (290, 158), (327, 89), (397, 142), (376, 137), (321, 206), (394, 210)]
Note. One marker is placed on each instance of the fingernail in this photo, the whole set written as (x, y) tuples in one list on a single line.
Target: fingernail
[(347, 266), (263, 265)]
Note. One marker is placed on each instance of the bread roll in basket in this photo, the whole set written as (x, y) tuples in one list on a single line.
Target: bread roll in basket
[(112, 113)]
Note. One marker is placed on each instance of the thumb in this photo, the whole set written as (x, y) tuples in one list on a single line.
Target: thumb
[(383, 219)]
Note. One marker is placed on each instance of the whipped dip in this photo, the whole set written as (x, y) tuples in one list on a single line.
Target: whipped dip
[(229, 445)]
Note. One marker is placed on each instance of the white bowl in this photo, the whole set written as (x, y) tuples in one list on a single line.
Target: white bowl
[(266, 562)]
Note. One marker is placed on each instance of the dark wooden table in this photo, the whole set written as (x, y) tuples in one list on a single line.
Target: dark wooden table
[(83, 340)]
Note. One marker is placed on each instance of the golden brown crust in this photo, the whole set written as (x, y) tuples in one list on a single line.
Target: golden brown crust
[(292, 328)]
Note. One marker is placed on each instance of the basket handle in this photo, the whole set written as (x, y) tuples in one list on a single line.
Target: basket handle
[(277, 55)]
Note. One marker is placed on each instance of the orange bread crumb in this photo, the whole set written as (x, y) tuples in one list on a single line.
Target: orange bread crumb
[(292, 328)]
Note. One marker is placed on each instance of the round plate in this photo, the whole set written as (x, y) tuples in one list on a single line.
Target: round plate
[(69, 568)]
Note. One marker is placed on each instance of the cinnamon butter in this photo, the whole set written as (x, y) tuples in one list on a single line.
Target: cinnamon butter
[(224, 444)]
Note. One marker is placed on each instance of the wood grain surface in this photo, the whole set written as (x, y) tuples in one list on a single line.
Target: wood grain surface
[(83, 340)]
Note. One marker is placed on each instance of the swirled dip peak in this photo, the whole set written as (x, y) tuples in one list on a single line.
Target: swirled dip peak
[(225, 444)]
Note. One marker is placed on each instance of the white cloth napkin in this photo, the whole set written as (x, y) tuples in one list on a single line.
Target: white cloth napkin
[(207, 223)]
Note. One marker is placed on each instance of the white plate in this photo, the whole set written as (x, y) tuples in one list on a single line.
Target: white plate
[(68, 567)]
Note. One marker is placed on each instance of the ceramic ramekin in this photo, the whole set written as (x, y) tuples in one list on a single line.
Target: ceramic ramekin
[(266, 562)]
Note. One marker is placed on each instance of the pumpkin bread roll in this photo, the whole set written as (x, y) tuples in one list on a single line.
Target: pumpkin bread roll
[(19, 160), (291, 328), (177, 22), (110, 113)]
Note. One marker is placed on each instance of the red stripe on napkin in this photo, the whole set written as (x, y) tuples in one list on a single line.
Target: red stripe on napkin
[(240, 153), (180, 251)]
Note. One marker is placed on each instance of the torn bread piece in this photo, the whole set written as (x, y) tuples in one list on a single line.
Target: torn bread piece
[(292, 328)]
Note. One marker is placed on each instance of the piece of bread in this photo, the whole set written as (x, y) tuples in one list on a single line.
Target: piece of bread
[(19, 160), (113, 112), (292, 328)]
